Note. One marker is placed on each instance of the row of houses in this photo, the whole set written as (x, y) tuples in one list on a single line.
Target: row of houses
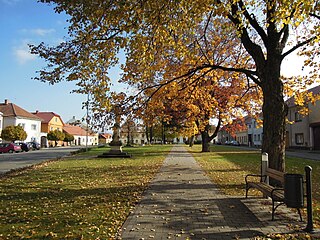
[(302, 131), (38, 124)]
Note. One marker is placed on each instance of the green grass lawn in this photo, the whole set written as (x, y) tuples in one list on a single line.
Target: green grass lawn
[(227, 167), (77, 197)]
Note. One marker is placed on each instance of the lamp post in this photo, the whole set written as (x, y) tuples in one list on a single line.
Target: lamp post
[(87, 121)]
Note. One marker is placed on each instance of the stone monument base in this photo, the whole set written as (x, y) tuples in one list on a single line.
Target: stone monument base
[(115, 152)]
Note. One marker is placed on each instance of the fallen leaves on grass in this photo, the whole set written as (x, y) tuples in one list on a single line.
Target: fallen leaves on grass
[(74, 198)]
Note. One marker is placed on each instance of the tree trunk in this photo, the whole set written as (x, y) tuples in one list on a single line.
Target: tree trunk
[(206, 138), (191, 141), (163, 134), (147, 135), (205, 141), (274, 115), (151, 135)]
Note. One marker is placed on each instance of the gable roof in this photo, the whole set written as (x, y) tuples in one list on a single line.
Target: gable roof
[(76, 130), (11, 110), (47, 116), (315, 91), (105, 135)]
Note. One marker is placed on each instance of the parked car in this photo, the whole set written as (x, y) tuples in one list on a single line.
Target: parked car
[(9, 148), (227, 142), (35, 145), (234, 143), (25, 146)]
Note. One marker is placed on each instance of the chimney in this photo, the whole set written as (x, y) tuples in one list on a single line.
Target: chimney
[(6, 101)]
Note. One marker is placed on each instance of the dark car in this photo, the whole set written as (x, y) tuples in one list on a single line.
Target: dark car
[(25, 146), (35, 145), (9, 148)]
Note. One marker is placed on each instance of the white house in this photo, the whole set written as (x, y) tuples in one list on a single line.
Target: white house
[(255, 132), (133, 133), (81, 136), (13, 115)]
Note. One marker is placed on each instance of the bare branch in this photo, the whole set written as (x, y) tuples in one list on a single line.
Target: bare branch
[(299, 45), (253, 22)]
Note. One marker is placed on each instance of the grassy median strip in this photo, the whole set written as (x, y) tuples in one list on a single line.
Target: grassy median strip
[(227, 167), (81, 197)]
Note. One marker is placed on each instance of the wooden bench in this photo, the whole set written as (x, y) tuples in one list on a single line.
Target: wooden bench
[(275, 193)]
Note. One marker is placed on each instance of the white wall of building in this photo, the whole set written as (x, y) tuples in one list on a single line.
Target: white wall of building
[(255, 133), (31, 126), (82, 140)]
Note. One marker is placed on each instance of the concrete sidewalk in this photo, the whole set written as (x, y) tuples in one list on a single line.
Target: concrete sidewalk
[(183, 203)]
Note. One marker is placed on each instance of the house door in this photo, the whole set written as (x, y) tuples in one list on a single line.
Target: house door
[(250, 140), (44, 141), (316, 138)]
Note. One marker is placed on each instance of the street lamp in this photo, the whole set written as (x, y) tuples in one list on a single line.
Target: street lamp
[(87, 121)]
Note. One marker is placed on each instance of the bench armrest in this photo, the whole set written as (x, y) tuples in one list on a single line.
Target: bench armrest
[(262, 177)]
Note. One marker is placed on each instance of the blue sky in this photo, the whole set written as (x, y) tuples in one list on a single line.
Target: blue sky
[(23, 22)]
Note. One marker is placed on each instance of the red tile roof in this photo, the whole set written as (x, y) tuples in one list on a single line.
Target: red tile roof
[(105, 135), (11, 110), (75, 130), (47, 116)]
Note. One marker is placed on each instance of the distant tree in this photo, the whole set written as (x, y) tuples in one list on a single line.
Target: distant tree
[(55, 136), (13, 133), (68, 138)]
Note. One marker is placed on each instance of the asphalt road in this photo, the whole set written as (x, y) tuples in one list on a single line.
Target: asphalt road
[(10, 161)]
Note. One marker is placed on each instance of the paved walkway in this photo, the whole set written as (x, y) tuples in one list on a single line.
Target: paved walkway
[(183, 203)]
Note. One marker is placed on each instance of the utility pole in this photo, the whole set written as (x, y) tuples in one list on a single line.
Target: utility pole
[(87, 120)]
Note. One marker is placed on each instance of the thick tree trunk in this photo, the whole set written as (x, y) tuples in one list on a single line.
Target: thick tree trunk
[(274, 115), (191, 141), (205, 141)]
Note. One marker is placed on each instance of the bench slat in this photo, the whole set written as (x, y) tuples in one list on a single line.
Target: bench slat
[(267, 190), (277, 175)]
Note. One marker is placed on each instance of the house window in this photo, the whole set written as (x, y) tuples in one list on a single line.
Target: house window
[(258, 137), (299, 138), (33, 127), (297, 117), (56, 119), (22, 125)]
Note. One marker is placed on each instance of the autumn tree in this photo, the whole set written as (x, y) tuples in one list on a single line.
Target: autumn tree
[(188, 105), (155, 34), (55, 136), (68, 138), (13, 133)]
